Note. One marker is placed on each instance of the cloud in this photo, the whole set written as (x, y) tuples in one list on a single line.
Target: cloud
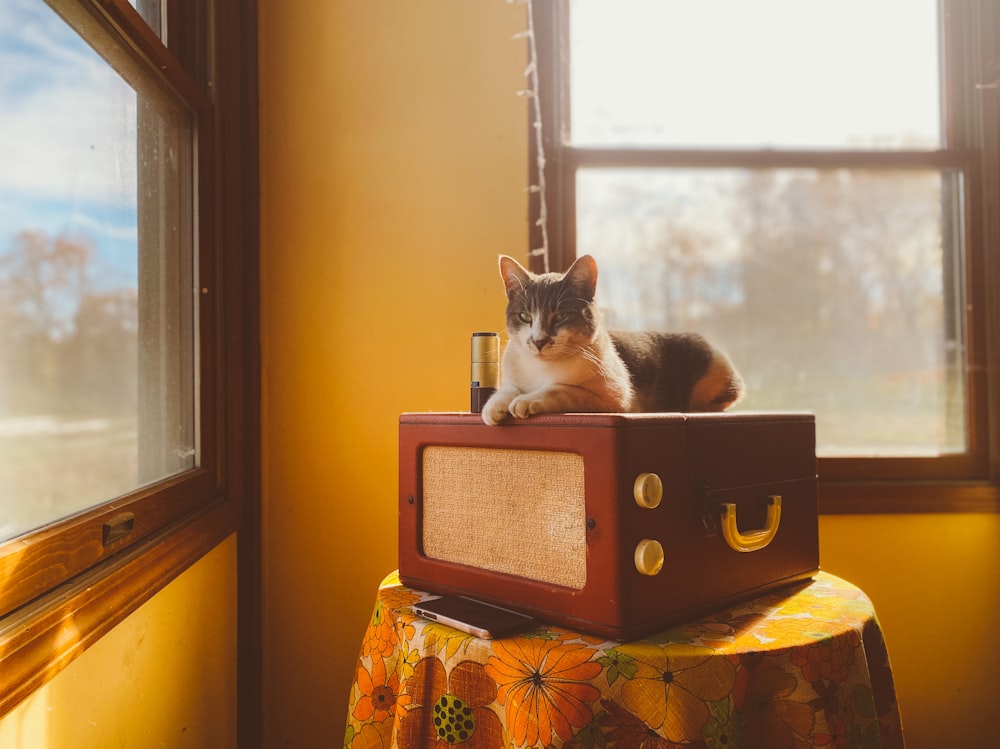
[(105, 226), (67, 120), (67, 140)]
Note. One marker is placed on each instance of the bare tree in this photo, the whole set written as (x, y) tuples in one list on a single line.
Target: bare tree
[(64, 347)]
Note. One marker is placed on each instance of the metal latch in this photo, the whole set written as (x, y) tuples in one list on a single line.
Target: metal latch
[(707, 507), (117, 527)]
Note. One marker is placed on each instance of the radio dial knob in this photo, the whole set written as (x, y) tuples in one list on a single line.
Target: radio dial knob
[(649, 556), (647, 490)]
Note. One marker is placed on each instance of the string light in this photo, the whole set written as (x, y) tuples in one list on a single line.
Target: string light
[(531, 93)]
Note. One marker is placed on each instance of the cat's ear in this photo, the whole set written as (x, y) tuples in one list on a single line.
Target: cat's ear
[(583, 275), (515, 277)]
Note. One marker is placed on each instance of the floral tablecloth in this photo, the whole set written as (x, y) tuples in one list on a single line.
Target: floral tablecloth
[(803, 667)]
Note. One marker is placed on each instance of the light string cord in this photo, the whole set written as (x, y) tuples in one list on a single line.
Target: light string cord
[(531, 92)]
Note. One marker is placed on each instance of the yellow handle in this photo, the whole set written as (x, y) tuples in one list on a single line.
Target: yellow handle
[(752, 540)]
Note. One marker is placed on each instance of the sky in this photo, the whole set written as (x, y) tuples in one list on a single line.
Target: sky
[(67, 140)]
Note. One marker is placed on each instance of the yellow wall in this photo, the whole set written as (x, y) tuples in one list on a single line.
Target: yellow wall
[(393, 154), (393, 171), (164, 677), (935, 583)]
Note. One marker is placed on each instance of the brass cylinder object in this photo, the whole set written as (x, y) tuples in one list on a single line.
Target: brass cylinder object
[(485, 369)]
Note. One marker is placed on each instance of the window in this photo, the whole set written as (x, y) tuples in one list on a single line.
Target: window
[(97, 349), (812, 187), (122, 312)]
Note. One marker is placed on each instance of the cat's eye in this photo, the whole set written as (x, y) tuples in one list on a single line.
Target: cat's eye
[(525, 317), (559, 318)]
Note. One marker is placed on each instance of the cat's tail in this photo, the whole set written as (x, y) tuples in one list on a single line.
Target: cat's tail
[(719, 388)]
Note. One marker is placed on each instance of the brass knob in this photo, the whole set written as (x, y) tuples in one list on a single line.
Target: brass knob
[(649, 556), (647, 490)]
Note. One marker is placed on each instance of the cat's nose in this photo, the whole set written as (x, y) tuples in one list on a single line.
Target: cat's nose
[(541, 343)]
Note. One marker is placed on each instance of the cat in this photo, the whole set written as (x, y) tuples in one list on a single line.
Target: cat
[(559, 357)]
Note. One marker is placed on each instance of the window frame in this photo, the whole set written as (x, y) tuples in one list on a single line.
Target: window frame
[(965, 482), (69, 571)]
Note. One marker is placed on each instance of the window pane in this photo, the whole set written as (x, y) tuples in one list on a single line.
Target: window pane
[(778, 73), (150, 10), (96, 275), (834, 291)]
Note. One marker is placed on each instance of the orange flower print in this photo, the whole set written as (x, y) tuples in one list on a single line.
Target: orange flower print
[(409, 657), (794, 631), (379, 692), (883, 689), (543, 686), (724, 728), (829, 660), (450, 709), (398, 597), (672, 693), (371, 736), (380, 637), (838, 713), (628, 732), (770, 719), (820, 597), (566, 635), (718, 632)]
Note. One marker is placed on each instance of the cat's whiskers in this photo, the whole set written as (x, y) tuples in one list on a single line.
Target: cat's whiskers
[(587, 353)]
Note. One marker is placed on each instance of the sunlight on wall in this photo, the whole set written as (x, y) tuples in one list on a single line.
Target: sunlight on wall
[(393, 158), (935, 583), (166, 676), (28, 724)]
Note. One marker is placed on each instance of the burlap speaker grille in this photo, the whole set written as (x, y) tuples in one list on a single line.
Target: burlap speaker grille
[(520, 512)]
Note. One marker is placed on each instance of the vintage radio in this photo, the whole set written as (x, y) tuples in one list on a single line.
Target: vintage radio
[(618, 525)]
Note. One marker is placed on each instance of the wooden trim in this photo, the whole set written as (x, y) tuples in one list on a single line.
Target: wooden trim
[(137, 40), (651, 158), (234, 64), (988, 91), (35, 562), (33, 640), (958, 467), (894, 497)]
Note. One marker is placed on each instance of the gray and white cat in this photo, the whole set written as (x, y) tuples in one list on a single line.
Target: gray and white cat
[(559, 358)]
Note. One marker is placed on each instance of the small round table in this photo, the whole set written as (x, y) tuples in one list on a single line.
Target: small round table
[(801, 667)]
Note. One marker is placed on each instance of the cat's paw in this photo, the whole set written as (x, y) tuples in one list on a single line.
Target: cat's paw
[(495, 410), (525, 405)]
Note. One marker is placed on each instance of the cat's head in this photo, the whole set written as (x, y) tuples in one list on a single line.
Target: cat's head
[(551, 315)]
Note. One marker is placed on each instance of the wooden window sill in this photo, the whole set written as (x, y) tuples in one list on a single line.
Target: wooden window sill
[(34, 645), (917, 497)]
